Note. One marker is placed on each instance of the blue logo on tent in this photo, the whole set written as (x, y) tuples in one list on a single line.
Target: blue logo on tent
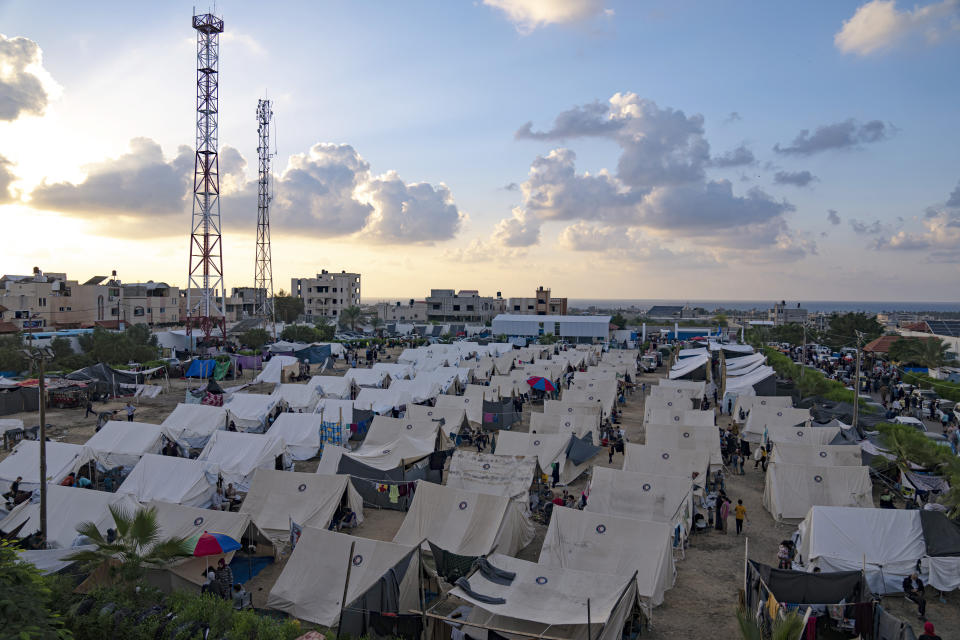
[(601, 529), (197, 522), (462, 505), (665, 456), (486, 465), (647, 487), (302, 488), (357, 559), (541, 580), (818, 478)]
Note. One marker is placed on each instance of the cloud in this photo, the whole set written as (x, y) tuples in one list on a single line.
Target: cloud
[(6, 180), (733, 117), (840, 135), (954, 199), (328, 191), (878, 25), (415, 213), (738, 157), (22, 90), (833, 217), (938, 234), (865, 228), (795, 178), (140, 182), (511, 186), (659, 189), (528, 15), (658, 145)]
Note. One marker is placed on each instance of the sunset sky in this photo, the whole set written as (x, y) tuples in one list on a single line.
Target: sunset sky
[(603, 148)]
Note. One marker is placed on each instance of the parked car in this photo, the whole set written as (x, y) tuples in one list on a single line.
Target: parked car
[(913, 422)]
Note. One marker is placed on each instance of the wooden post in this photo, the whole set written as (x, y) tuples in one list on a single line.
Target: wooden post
[(423, 605), (346, 584), (589, 630), (746, 559)]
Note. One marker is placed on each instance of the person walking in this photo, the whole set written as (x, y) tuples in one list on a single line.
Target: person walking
[(89, 409), (740, 514), (130, 411), (724, 513)]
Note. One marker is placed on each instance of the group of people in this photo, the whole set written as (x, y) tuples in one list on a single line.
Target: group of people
[(219, 582), (719, 507)]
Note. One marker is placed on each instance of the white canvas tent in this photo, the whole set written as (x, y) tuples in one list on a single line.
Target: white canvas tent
[(498, 475), (763, 418), (300, 432), (826, 455), (311, 586), (746, 404), (667, 461), (679, 417), (24, 461), (748, 382), (176, 520), (602, 543), (454, 417), (67, 507), (417, 390), (791, 489), (888, 542), (299, 397), (367, 377), (396, 370), (545, 601), (381, 401), (175, 480), (121, 443), (308, 499), (806, 435), (686, 438), (693, 366), (643, 496), (276, 369), (249, 411), (238, 455), (547, 448), (605, 396), (193, 424), (332, 410), (695, 388), (577, 424), (569, 407), (338, 387), (464, 522), (384, 430)]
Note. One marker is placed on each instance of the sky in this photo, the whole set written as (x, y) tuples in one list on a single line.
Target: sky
[(619, 149)]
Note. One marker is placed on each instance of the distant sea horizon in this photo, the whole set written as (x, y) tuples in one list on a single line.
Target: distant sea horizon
[(813, 306)]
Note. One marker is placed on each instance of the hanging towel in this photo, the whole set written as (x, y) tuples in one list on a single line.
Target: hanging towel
[(394, 494), (772, 606)]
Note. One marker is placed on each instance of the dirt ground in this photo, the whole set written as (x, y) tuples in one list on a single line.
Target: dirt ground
[(701, 603)]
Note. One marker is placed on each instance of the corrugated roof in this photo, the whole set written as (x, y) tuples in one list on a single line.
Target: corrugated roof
[(509, 317)]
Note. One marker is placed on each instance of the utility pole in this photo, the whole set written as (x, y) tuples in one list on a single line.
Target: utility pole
[(39, 355), (856, 382)]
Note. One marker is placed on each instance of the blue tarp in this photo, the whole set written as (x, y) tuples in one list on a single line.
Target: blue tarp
[(201, 369), (314, 354)]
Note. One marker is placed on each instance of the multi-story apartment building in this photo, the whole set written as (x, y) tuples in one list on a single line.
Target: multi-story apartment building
[(781, 314), (242, 302), (413, 311), (328, 294), (542, 304), (447, 305), (53, 301)]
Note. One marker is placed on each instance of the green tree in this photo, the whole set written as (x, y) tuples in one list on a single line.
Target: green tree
[(299, 333), (721, 319), (325, 329), (791, 333), (136, 344), (61, 348), (138, 545), (287, 308), (255, 338), (26, 601), (11, 353), (349, 317), (618, 321), (786, 628), (844, 328), (376, 322)]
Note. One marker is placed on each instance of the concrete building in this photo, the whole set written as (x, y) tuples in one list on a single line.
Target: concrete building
[(467, 305), (542, 304), (328, 294), (47, 301), (572, 328), (781, 314), (242, 302), (412, 311)]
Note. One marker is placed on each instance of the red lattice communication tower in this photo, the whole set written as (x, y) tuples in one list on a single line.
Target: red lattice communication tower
[(205, 287)]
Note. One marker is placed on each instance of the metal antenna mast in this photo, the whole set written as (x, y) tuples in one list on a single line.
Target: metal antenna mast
[(205, 271), (263, 270)]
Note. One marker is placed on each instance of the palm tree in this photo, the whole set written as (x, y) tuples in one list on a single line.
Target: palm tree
[(377, 322), (933, 353), (349, 317), (786, 628), (137, 546)]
